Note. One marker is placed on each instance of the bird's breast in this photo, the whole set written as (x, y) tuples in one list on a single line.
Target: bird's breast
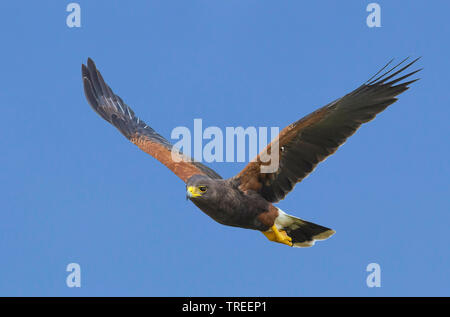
[(237, 210)]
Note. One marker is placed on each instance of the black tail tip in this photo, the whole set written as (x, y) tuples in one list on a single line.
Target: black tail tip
[(307, 233)]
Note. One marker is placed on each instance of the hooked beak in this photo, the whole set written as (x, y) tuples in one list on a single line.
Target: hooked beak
[(192, 192)]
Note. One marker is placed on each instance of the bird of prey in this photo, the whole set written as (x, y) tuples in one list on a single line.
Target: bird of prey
[(246, 199)]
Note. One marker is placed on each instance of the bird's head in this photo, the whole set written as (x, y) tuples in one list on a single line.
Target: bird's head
[(201, 188)]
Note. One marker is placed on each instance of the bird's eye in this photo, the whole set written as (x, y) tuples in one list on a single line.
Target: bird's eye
[(202, 188)]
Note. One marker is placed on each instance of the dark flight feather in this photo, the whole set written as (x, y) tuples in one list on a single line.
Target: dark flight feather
[(305, 143), (112, 108)]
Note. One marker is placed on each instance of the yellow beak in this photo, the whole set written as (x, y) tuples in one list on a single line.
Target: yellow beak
[(193, 191)]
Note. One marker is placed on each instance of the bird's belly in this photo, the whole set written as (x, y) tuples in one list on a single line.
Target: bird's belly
[(235, 216)]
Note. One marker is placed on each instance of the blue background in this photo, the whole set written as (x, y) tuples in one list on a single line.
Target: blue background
[(72, 189)]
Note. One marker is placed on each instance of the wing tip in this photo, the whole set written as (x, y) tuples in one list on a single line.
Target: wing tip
[(91, 64), (84, 71), (383, 79)]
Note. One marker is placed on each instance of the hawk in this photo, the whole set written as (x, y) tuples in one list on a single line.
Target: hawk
[(246, 199)]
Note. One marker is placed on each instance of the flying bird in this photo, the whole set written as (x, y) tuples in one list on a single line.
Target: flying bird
[(246, 199)]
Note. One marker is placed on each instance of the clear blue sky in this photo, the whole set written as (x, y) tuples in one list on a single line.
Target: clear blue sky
[(73, 189)]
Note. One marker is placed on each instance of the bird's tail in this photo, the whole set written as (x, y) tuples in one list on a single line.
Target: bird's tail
[(303, 233)]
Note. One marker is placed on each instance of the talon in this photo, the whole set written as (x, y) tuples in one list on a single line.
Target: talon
[(279, 236)]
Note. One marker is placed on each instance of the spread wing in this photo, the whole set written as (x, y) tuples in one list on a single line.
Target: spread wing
[(305, 143), (111, 108)]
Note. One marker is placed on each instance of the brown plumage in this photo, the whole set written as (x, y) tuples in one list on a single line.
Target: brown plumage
[(245, 200), (305, 143), (112, 108)]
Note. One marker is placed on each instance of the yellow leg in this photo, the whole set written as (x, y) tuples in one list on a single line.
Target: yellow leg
[(279, 236)]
